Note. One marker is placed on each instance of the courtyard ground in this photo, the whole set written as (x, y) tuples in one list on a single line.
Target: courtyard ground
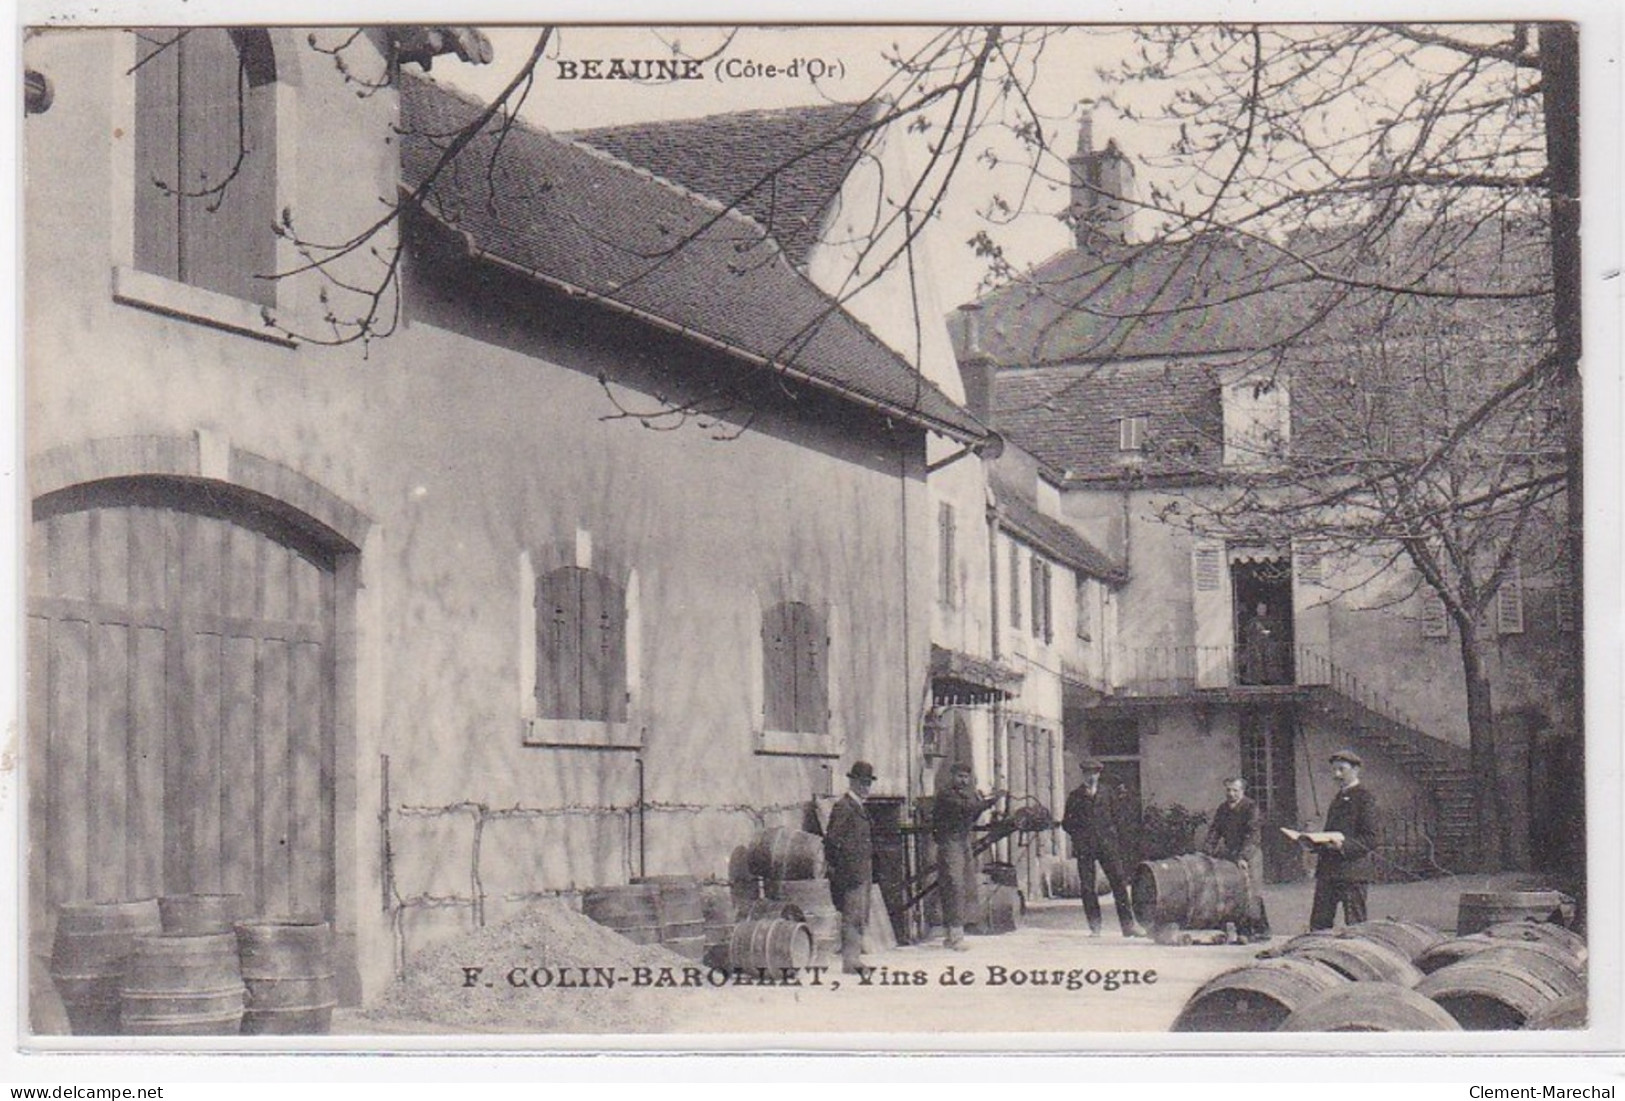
[(1048, 976)]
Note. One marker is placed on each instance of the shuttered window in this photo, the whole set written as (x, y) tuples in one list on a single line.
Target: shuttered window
[(1085, 609), (1042, 626), (1509, 602), (205, 151), (580, 646), (1435, 621), (795, 668), (947, 565)]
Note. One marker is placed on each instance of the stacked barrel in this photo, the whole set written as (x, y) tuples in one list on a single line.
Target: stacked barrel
[(186, 966), (1392, 976)]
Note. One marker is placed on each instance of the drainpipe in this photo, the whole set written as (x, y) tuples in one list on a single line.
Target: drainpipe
[(993, 632)]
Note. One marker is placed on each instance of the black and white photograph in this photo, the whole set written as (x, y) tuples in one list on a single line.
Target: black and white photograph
[(539, 536)]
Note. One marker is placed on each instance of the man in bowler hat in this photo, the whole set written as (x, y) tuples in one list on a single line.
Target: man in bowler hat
[(849, 862), (1091, 823), (1344, 868)]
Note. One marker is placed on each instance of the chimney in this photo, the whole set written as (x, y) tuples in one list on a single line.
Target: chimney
[(1101, 181), (977, 371)]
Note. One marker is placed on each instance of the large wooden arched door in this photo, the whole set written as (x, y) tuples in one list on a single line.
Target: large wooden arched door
[(181, 686)]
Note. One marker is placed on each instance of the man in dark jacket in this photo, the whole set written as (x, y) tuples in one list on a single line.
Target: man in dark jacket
[(1091, 825), (1237, 834), (849, 862), (953, 813), (1344, 867)]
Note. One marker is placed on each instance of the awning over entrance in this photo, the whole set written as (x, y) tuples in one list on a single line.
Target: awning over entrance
[(958, 678)]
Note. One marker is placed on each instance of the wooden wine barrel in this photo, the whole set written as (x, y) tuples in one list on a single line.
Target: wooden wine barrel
[(1453, 950), (632, 911), (181, 984), (1486, 992), (1542, 932), (1478, 910), (770, 909), (680, 912), (997, 910), (287, 969), (772, 944), (1256, 997), (199, 913), (1565, 1013), (812, 898), (1409, 938), (1552, 966), (1370, 1007), (94, 941), (783, 853), (1360, 960), (1194, 891)]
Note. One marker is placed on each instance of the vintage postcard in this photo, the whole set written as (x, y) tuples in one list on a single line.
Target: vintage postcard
[(863, 537)]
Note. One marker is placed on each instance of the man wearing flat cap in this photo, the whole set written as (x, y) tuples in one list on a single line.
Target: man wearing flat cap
[(1090, 822), (849, 862), (953, 813), (1344, 868)]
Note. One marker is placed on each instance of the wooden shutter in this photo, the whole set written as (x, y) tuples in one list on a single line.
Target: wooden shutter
[(811, 645), (558, 644), (1085, 616), (1509, 602), (1311, 619), (778, 668), (1015, 584), (602, 648), (1564, 596), (1211, 605), (157, 156), (1049, 603), (1435, 620), (946, 565), (1036, 594)]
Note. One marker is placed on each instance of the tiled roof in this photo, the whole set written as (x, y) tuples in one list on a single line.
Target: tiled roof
[(580, 220), (1054, 537), (784, 168), (1075, 357), (1069, 417)]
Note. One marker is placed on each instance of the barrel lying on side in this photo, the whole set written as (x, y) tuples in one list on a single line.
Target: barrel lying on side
[(1370, 1007), (1361, 960), (1565, 1013), (1478, 910), (93, 945), (772, 944), (1256, 997), (1542, 932), (782, 853), (1409, 938), (180, 984), (1494, 990), (812, 899), (287, 971)]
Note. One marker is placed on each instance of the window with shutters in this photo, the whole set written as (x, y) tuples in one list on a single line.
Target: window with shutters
[(1435, 619), (580, 646), (795, 669), (1085, 607), (947, 563), (205, 160)]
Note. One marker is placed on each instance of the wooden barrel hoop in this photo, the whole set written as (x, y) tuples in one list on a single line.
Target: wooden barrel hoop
[(288, 972), (183, 985), (92, 948), (1370, 1007), (1256, 997)]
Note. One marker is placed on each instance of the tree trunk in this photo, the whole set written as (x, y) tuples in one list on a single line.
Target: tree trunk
[(1481, 742)]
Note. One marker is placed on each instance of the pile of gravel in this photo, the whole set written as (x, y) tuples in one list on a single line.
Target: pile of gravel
[(519, 988)]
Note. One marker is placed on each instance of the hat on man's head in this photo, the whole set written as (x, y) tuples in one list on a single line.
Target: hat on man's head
[(1348, 756), (1092, 765), (963, 766), (861, 770)]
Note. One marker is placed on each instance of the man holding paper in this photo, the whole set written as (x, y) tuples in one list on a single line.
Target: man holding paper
[(1344, 864)]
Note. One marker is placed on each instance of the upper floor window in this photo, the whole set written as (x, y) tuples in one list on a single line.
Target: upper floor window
[(1084, 596), (1131, 433), (947, 566), (580, 646), (205, 152), (795, 668), (1015, 585), (1043, 627)]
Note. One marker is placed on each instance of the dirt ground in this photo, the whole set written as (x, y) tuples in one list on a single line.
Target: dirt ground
[(1049, 976)]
